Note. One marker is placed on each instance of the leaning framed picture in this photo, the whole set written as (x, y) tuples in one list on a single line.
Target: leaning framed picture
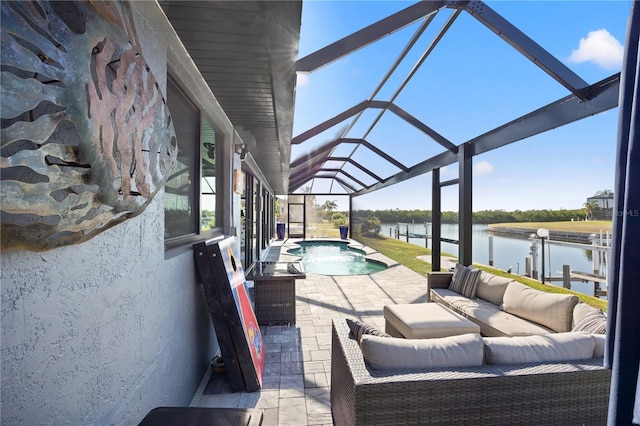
[(239, 335)]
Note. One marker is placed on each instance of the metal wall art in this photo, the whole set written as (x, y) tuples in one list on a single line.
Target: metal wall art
[(87, 140)]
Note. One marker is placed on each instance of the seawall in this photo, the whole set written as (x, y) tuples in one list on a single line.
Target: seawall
[(569, 236)]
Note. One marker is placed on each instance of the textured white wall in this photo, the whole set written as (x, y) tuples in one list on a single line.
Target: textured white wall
[(102, 332)]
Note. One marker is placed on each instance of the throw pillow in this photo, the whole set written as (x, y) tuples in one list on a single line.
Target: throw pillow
[(463, 350), (589, 319), (359, 328), (465, 281), (592, 324)]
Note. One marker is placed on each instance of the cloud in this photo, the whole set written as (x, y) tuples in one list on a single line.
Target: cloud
[(601, 48), (444, 170), (483, 168), (302, 80)]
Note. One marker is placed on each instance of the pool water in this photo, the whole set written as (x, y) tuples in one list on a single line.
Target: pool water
[(334, 258)]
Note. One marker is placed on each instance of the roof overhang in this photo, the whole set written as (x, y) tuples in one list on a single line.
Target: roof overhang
[(246, 51)]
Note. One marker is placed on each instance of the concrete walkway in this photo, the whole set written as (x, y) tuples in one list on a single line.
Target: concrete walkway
[(296, 381), (446, 263)]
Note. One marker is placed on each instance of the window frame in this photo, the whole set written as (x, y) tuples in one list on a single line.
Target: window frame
[(196, 183)]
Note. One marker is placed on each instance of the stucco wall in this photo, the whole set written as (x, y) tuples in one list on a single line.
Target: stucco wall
[(102, 332)]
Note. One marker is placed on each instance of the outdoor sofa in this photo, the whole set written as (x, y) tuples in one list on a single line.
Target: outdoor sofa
[(501, 306), (537, 358), (564, 392)]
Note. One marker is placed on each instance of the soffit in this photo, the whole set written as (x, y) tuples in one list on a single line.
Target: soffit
[(246, 52)]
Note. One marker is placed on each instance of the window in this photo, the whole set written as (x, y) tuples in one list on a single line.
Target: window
[(208, 191), (192, 191)]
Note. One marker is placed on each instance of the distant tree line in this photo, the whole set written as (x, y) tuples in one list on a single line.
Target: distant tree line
[(483, 216)]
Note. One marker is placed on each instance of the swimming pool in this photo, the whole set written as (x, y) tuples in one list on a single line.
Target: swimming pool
[(334, 258)]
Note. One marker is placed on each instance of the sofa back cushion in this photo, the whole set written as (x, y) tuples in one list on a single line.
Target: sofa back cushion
[(551, 310), (492, 287), (383, 353), (541, 348)]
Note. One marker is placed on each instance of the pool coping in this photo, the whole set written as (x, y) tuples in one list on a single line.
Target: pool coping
[(369, 254)]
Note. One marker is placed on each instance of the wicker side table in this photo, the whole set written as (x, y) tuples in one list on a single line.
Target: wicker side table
[(274, 285)]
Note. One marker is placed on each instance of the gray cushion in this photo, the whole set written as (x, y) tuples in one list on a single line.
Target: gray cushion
[(397, 353), (359, 328), (589, 319), (601, 341), (495, 322), (542, 348), (426, 320), (465, 280), (551, 310), (492, 287)]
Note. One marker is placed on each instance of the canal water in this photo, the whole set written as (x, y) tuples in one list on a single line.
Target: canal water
[(509, 252)]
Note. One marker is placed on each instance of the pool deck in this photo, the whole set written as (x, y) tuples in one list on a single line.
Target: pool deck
[(297, 372)]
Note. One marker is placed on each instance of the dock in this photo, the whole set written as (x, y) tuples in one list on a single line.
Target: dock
[(568, 275)]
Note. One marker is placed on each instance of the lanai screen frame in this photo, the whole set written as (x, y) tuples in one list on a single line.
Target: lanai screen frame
[(584, 101)]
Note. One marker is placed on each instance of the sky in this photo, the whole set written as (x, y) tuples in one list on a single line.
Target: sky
[(471, 82)]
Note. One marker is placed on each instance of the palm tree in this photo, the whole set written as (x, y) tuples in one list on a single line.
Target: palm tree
[(329, 206), (589, 208)]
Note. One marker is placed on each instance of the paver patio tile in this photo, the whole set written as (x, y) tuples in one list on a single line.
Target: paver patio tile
[(297, 373), (292, 411)]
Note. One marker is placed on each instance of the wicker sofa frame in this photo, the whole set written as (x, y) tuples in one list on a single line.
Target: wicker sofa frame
[(524, 394)]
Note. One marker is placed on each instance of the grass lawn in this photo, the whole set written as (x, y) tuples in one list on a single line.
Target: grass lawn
[(407, 253), (324, 229), (588, 226), (400, 251)]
